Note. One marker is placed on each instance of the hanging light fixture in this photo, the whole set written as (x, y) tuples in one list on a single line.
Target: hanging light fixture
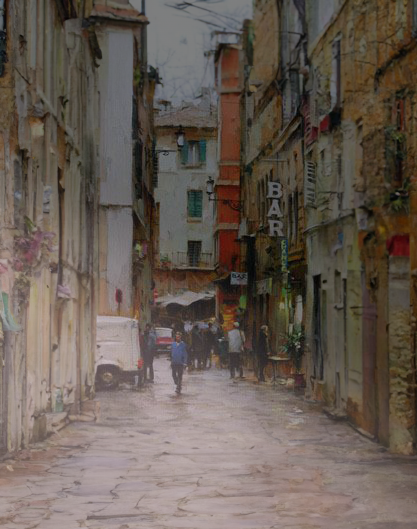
[(236, 205), (180, 137)]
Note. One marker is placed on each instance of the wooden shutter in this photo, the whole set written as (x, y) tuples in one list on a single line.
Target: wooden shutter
[(184, 153), (202, 151), (310, 184), (195, 204)]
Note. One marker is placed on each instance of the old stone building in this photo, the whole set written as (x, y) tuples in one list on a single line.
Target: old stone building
[(328, 219), (361, 167), (272, 170), (71, 116), (126, 161), (48, 215), (186, 148)]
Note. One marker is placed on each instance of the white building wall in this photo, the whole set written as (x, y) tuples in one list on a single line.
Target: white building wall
[(116, 111), (175, 227), (116, 91)]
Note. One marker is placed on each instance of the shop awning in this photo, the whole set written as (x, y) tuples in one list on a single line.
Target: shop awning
[(185, 299)]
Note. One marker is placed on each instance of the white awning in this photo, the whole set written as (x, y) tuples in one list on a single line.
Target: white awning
[(185, 299)]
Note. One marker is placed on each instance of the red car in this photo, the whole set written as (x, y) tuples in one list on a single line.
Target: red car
[(163, 339)]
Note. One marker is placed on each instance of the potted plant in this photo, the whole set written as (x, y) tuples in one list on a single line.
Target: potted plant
[(294, 348)]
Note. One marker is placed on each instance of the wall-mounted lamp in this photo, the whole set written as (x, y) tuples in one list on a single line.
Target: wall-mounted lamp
[(180, 134), (236, 205)]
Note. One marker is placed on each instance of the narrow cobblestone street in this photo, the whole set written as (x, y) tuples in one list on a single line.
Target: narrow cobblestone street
[(223, 454)]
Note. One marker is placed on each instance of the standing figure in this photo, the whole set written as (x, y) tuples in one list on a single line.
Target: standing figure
[(236, 339), (198, 346), (178, 361), (149, 352), (263, 351), (209, 338)]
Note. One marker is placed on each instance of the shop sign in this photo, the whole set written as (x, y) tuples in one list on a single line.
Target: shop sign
[(238, 278), (264, 286), (284, 255), (276, 227)]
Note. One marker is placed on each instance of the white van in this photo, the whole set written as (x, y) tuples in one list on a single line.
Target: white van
[(118, 354)]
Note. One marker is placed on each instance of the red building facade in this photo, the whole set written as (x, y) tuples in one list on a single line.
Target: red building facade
[(227, 186)]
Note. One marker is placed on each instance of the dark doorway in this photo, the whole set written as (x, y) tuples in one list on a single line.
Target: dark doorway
[(317, 330), (369, 342)]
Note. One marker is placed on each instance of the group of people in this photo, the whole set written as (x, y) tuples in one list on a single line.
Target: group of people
[(236, 345), (193, 348)]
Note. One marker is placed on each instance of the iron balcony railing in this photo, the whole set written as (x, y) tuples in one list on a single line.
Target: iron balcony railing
[(191, 259)]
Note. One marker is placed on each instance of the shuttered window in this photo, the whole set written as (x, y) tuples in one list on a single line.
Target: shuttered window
[(195, 204), (193, 152), (193, 253)]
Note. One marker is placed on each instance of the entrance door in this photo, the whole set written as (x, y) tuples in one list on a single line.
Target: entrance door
[(369, 321), (3, 414), (317, 330)]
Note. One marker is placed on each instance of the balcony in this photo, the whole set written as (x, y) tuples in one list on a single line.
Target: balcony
[(187, 260)]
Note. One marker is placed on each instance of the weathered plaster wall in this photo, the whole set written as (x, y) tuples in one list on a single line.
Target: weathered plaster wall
[(51, 84), (175, 227)]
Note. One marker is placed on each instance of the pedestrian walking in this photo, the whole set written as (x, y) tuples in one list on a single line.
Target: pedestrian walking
[(149, 341), (208, 345), (263, 351), (178, 361), (198, 346), (236, 339)]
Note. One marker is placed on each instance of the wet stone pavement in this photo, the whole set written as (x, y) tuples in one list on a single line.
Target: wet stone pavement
[(224, 454)]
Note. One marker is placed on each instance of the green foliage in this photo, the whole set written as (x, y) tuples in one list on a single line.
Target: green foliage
[(137, 76), (399, 199), (294, 347)]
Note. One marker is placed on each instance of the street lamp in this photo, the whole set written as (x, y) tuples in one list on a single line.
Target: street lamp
[(236, 205), (180, 134), (180, 137)]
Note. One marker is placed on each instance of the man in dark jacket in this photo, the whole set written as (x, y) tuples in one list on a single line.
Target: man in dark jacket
[(178, 361), (209, 338), (263, 351), (149, 341), (197, 345)]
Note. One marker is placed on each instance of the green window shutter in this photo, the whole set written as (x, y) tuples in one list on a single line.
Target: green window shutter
[(184, 153), (202, 151), (195, 204)]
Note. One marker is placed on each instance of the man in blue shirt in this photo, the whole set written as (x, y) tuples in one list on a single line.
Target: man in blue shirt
[(178, 360)]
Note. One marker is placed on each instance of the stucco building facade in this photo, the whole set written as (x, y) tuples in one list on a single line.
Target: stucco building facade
[(328, 112), (185, 250), (48, 216)]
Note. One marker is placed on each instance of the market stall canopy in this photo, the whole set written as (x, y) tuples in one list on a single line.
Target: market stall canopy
[(185, 299)]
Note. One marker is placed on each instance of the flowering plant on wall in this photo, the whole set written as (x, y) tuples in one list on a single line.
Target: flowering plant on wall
[(32, 251), (294, 347)]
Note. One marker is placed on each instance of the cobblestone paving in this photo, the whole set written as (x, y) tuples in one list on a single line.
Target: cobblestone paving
[(224, 454)]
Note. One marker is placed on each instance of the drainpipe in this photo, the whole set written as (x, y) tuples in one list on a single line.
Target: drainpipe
[(143, 7), (413, 289), (3, 44)]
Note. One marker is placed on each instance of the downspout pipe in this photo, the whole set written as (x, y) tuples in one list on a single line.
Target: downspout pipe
[(3, 44)]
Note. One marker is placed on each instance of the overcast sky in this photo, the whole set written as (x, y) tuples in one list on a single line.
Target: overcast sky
[(176, 43)]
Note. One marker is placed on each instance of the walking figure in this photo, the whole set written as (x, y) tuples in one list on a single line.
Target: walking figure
[(197, 346), (236, 340), (208, 340), (178, 361), (263, 351), (149, 352)]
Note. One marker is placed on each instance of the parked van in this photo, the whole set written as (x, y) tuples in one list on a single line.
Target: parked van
[(118, 354)]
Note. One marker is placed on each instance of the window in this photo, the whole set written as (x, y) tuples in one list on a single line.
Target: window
[(138, 162), (194, 252), (195, 204), (335, 83), (398, 140), (193, 152)]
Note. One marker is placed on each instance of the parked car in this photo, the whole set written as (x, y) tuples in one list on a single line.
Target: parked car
[(118, 354), (163, 339)]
